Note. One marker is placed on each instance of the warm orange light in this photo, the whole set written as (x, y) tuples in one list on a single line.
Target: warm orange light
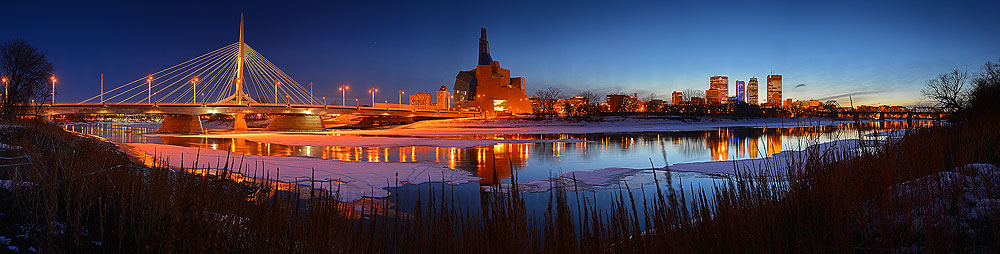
[(53, 78), (149, 79), (5, 80), (195, 80)]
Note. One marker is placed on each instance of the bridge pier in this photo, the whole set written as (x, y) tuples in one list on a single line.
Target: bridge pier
[(240, 122), (296, 123), (181, 124)]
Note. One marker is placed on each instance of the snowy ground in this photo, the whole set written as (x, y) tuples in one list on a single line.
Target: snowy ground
[(356, 179), (608, 125)]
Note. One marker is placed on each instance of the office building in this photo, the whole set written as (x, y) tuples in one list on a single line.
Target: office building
[(741, 91), (720, 83), (443, 98), (774, 90), (752, 91)]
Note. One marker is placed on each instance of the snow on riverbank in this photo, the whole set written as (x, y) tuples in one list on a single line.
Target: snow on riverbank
[(357, 179), (321, 139), (608, 125)]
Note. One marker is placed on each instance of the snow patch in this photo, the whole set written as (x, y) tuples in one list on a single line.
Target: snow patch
[(606, 125)]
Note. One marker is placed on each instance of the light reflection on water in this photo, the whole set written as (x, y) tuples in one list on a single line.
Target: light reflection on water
[(537, 161)]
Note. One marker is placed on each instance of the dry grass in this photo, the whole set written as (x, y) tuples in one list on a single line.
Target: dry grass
[(83, 192)]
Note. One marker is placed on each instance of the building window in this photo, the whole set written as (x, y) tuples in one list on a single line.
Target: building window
[(500, 105)]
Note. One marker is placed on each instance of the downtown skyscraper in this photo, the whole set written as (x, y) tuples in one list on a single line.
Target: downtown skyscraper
[(752, 91), (741, 94), (774, 90), (721, 84)]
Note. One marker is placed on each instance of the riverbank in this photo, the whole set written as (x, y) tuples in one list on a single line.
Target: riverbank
[(922, 193)]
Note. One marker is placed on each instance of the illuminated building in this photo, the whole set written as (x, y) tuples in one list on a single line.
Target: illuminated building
[(536, 104), (655, 105), (740, 91), (752, 91), (676, 98), (697, 101), (805, 104), (621, 103), (713, 96), (720, 83), (443, 98), (774, 90), (489, 88), (421, 101)]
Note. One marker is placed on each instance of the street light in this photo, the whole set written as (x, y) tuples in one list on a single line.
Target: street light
[(149, 89), (53, 90), (324, 101), (276, 83), (4, 88), (194, 93), (401, 97), (373, 91), (343, 94)]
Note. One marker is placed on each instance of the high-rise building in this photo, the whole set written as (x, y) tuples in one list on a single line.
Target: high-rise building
[(741, 91), (676, 98), (489, 88), (720, 83), (752, 91), (774, 90), (443, 98)]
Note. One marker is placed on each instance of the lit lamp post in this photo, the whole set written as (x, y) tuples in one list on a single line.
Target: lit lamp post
[(4, 89), (310, 92), (53, 90), (324, 101), (343, 94), (149, 89), (401, 97), (373, 91), (276, 83), (194, 93)]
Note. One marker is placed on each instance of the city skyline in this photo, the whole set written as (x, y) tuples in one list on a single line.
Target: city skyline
[(628, 48)]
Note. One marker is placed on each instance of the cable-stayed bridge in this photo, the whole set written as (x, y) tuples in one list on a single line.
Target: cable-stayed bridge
[(234, 80)]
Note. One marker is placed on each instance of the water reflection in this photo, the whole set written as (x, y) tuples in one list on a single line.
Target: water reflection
[(535, 161)]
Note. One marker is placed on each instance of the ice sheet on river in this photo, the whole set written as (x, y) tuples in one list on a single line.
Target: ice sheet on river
[(357, 179)]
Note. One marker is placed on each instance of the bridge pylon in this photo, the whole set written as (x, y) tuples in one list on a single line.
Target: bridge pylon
[(238, 96)]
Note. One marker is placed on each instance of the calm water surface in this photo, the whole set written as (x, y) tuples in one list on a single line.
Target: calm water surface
[(539, 161)]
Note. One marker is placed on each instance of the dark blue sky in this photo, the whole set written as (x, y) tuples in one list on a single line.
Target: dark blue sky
[(880, 52)]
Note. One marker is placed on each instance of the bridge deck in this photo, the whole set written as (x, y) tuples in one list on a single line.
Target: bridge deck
[(202, 109)]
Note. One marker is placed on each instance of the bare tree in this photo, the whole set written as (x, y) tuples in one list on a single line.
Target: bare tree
[(27, 74), (547, 96), (591, 97), (984, 96), (688, 93), (949, 90)]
